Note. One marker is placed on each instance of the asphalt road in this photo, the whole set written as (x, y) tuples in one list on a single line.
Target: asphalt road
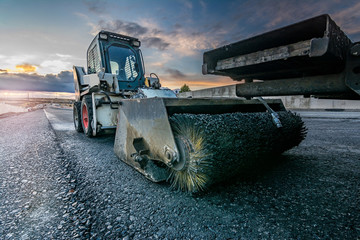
[(57, 183)]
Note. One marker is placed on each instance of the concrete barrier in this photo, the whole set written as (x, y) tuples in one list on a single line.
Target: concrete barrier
[(290, 102)]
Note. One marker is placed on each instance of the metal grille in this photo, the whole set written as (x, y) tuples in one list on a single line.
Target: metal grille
[(94, 61)]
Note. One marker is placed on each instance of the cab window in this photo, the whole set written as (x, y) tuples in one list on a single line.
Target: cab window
[(123, 63)]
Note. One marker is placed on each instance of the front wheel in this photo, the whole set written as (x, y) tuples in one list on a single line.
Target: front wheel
[(77, 116), (87, 115)]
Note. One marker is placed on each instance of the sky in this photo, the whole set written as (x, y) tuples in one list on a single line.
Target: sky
[(41, 40)]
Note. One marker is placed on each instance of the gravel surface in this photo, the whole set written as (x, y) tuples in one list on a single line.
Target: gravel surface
[(311, 192), (37, 189)]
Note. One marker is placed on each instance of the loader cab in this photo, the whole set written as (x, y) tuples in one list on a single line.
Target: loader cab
[(119, 55)]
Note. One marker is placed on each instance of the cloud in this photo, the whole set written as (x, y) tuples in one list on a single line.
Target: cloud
[(26, 68), (196, 82), (21, 68), (203, 4), (174, 73), (156, 42), (42, 64), (54, 66), (185, 41), (187, 4), (348, 19), (182, 41), (61, 82), (173, 78), (63, 55), (122, 27), (10, 62), (135, 30), (159, 60), (274, 14), (95, 6)]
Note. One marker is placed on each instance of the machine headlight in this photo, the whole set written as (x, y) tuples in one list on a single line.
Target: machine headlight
[(135, 43), (103, 36)]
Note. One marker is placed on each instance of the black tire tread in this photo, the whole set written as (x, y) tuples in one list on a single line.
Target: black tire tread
[(87, 100), (77, 107)]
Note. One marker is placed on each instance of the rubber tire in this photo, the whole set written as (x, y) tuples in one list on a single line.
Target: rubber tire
[(86, 106), (77, 116)]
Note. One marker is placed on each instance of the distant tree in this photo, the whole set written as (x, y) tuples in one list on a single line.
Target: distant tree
[(185, 88)]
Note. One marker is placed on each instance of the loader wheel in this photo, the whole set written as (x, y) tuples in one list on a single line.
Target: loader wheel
[(87, 115), (77, 116)]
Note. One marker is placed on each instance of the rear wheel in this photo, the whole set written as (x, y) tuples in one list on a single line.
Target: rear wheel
[(87, 115), (77, 116)]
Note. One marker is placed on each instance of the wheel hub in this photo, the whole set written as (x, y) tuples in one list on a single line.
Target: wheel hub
[(185, 148), (85, 117)]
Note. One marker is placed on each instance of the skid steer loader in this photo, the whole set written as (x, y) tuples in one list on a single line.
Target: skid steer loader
[(194, 143)]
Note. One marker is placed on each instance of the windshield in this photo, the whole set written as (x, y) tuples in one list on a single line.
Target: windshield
[(123, 63)]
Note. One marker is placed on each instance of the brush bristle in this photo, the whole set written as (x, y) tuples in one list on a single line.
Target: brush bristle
[(193, 177), (223, 145)]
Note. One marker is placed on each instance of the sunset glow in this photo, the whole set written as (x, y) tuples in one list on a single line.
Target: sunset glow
[(42, 40), (34, 94), (21, 68), (26, 68)]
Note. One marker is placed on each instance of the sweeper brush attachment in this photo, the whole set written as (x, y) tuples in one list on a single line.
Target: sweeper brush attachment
[(194, 143), (221, 146)]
